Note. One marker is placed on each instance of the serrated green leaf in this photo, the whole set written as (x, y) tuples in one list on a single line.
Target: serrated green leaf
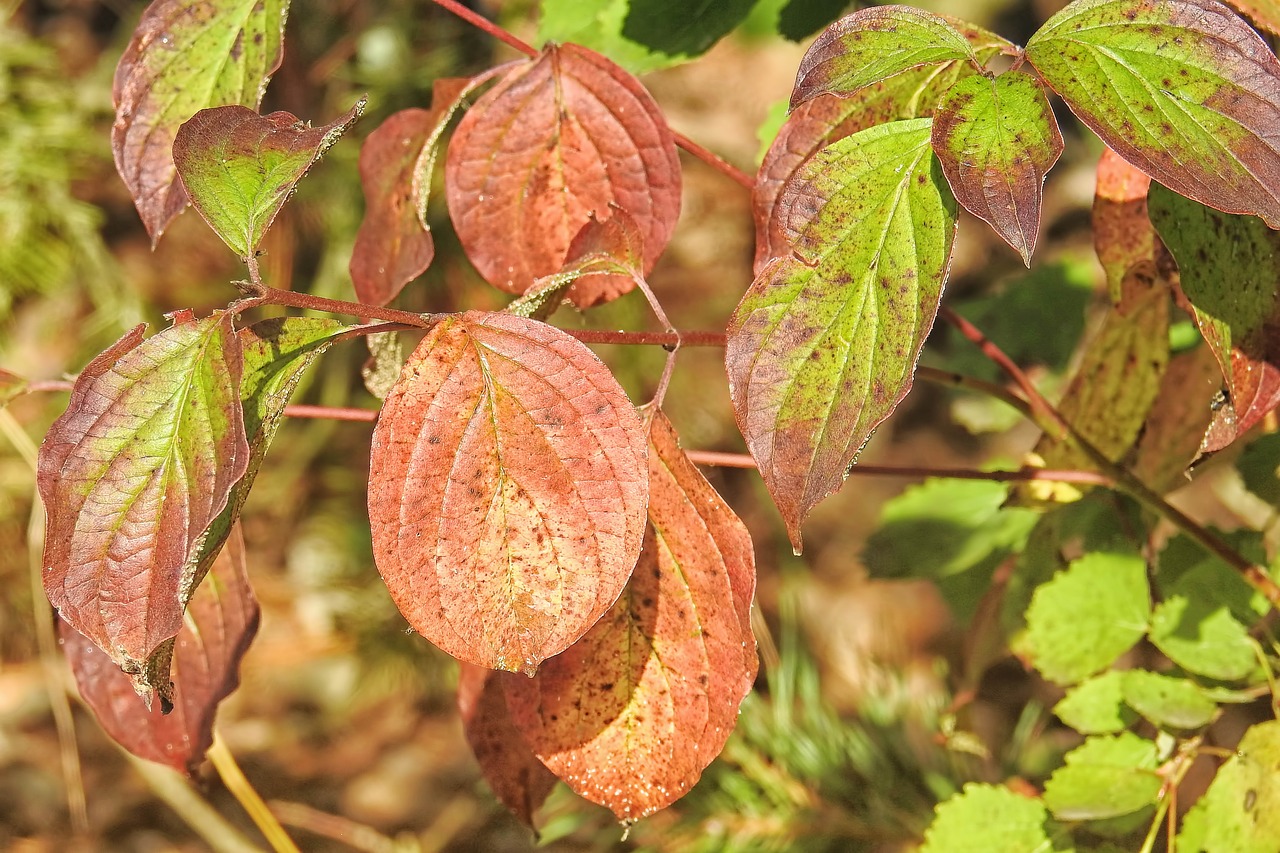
[(239, 167), (1240, 813), (1183, 89), (874, 44), (952, 531), (823, 346), (186, 55), (1106, 777), (1167, 701), (1086, 617), (1259, 467), (996, 138), (993, 819), (1096, 706)]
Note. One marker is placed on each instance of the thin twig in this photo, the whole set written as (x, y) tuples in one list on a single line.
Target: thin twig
[(334, 413), (172, 789), (233, 777)]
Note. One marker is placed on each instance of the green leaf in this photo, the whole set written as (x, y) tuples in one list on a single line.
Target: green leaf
[(186, 55), (1259, 467), (1096, 706), (824, 344), (1086, 617), (239, 167), (874, 44), (1167, 701), (1229, 266), (953, 531), (996, 138), (1106, 777), (678, 27), (1183, 89), (993, 819), (1240, 813), (799, 19)]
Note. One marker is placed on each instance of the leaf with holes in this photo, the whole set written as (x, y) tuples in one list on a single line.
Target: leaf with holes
[(239, 167), (220, 623), (561, 137), (185, 56), (133, 474), (631, 714), (1229, 268), (507, 490), (1183, 89), (823, 346), (996, 139)]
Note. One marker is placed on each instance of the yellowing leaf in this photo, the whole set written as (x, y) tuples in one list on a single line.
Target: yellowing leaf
[(507, 490)]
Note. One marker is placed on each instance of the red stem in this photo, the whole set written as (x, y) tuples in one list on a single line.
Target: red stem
[(332, 412)]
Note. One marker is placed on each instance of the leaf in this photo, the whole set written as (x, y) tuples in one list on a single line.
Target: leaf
[(184, 56), (799, 19), (991, 819), (1086, 617), (1123, 235), (823, 346), (12, 386), (598, 25), (559, 138), (1168, 702), (382, 368), (220, 623), (239, 168), (1108, 776), (1096, 705), (1240, 813), (996, 139), (1177, 421), (874, 44), (1264, 13), (1183, 89), (507, 490), (1259, 467), (515, 775), (677, 27), (631, 714), (132, 475), (604, 261), (1229, 266)]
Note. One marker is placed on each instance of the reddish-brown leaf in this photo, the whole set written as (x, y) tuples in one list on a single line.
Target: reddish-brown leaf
[(507, 490), (562, 136), (1179, 420), (132, 474), (221, 621), (186, 55), (1264, 13), (631, 714), (1122, 233), (515, 775)]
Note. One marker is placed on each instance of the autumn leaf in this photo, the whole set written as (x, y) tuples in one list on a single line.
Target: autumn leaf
[(220, 623), (559, 138), (132, 475), (1178, 420), (506, 490), (185, 56), (1184, 90), (239, 168), (630, 715), (1123, 236)]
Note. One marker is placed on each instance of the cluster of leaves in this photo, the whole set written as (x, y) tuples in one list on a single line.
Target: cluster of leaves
[(530, 521)]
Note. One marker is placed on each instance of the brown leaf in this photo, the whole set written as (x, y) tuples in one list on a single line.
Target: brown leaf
[(221, 622), (515, 775), (132, 474), (1178, 420), (1123, 235), (631, 714), (560, 137), (507, 490)]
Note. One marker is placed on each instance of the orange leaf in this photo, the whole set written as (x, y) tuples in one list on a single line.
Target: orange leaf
[(631, 714), (562, 136), (507, 490)]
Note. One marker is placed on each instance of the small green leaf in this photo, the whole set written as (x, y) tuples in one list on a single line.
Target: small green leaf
[(823, 346), (239, 167), (1086, 617), (1167, 701), (1183, 89), (874, 44), (1096, 706), (996, 138), (1240, 813), (1108, 776), (992, 819), (1259, 467), (678, 27)]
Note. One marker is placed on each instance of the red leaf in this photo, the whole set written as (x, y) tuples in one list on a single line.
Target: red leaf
[(222, 620), (1123, 235), (507, 490), (560, 137), (631, 714), (515, 775), (132, 474)]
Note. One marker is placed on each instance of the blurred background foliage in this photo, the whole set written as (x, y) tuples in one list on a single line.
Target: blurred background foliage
[(884, 684)]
